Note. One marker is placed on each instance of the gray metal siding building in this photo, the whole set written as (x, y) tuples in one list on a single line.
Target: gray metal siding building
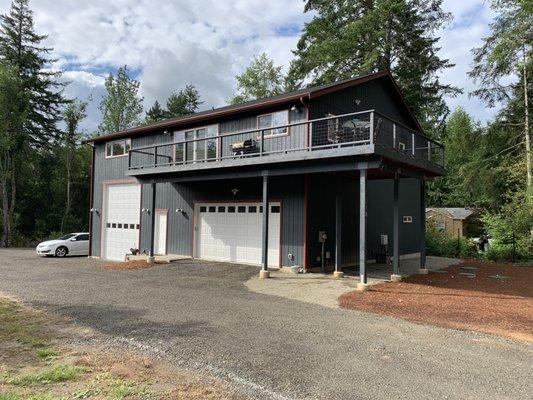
[(315, 152)]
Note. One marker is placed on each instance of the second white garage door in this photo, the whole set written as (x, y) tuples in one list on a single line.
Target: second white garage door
[(232, 232)]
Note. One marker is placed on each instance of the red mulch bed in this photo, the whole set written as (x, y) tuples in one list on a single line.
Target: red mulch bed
[(500, 307), (134, 264)]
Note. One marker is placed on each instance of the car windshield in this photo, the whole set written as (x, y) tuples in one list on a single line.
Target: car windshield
[(67, 236)]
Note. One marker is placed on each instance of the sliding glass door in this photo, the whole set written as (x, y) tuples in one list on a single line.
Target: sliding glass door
[(198, 147)]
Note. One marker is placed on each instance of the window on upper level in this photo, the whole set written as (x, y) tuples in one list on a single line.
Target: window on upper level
[(201, 144), (279, 118), (117, 148)]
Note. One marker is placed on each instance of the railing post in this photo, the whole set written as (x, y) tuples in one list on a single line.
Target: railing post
[(429, 151), (155, 156), (394, 135), (129, 159), (184, 152), (413, 143), (372, 127), (310, 136), (262, 143)]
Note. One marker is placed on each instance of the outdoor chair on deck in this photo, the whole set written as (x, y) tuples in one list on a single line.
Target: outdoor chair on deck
[(246, 147)]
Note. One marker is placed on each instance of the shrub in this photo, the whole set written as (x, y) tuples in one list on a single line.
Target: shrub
[(443, 245), (510, 230)]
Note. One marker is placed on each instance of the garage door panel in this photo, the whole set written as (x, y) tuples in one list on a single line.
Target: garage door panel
[(121, 220), (236, 236)]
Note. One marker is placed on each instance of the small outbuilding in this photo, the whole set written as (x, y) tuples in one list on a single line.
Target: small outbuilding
[(453, 220)]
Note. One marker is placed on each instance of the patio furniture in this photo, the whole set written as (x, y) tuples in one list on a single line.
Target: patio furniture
[(248, 146)]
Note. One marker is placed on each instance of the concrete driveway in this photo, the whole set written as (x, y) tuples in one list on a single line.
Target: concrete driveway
[(201, 315)]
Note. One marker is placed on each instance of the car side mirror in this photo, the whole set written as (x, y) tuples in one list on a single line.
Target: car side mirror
[(72, 240)]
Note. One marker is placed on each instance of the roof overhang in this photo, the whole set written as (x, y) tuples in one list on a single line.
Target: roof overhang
[(297, 96)]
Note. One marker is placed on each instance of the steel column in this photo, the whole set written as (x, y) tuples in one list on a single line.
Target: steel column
[(362, 226), (422, 224), (152, 220), (264, 266), (338, 225), (396, 228)]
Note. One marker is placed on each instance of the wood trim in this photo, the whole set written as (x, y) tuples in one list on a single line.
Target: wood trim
[(105, 184), (276, 135), (117, 140), (164, 211)]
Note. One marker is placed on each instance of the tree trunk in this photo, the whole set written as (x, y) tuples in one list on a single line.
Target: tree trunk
[(526, 127), (6, 226), (68, 202)]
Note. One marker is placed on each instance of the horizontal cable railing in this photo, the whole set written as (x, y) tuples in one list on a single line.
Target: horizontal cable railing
[(332, 132)]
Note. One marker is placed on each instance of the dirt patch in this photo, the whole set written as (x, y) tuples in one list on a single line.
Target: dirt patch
[(134, 264), (502, 306), (38, 361)]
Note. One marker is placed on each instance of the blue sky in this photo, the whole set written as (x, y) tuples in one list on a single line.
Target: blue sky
[(168, 44)]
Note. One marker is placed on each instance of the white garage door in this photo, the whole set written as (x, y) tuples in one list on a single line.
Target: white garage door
[(232, 232), (121, 220)]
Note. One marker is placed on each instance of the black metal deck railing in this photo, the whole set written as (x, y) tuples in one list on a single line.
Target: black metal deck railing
[(339, 131)]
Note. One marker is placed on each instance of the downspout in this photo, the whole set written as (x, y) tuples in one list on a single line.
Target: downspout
[(91, 203)]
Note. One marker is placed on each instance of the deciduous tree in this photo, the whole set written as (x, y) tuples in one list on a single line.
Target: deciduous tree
[(122, 106), (261, 79)]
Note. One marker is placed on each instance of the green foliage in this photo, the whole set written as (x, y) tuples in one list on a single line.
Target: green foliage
[(155, 114), (58, 373), (46, 354), (21, 48), (184, 102), (349, 38), (511, 230), (443, 245), (261, 79), (121, 107), (505, 50)]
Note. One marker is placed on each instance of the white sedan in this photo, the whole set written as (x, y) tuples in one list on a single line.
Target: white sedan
[(73, 244)]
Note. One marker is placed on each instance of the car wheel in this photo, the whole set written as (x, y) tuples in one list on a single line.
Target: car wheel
[(61, 251)]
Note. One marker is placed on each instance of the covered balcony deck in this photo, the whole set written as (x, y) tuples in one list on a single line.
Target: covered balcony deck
[(354, 134)]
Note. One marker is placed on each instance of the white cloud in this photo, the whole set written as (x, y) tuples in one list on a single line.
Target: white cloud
[(171, 43)]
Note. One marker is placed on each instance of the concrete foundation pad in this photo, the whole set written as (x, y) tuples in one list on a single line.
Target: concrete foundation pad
[(362, 287), (338, 274), (395, 278), (423, 271), (264, 274), (150, 260)]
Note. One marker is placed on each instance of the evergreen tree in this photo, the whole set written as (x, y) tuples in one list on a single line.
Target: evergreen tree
[(21, 47), (155, 113), (350, 38), (13, 111), (121, 107), (507, 52), (184, 102), (261, 79)]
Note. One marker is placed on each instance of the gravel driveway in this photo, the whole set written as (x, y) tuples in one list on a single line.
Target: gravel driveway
[(201, 315)]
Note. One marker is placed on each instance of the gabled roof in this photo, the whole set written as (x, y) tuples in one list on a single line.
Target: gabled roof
[(297, 95), (453, 212)]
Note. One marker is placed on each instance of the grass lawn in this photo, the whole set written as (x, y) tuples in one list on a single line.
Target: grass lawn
[(466, 296), (38, 362)]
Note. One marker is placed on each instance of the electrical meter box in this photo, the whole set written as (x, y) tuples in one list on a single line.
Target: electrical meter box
[(322, 236)]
